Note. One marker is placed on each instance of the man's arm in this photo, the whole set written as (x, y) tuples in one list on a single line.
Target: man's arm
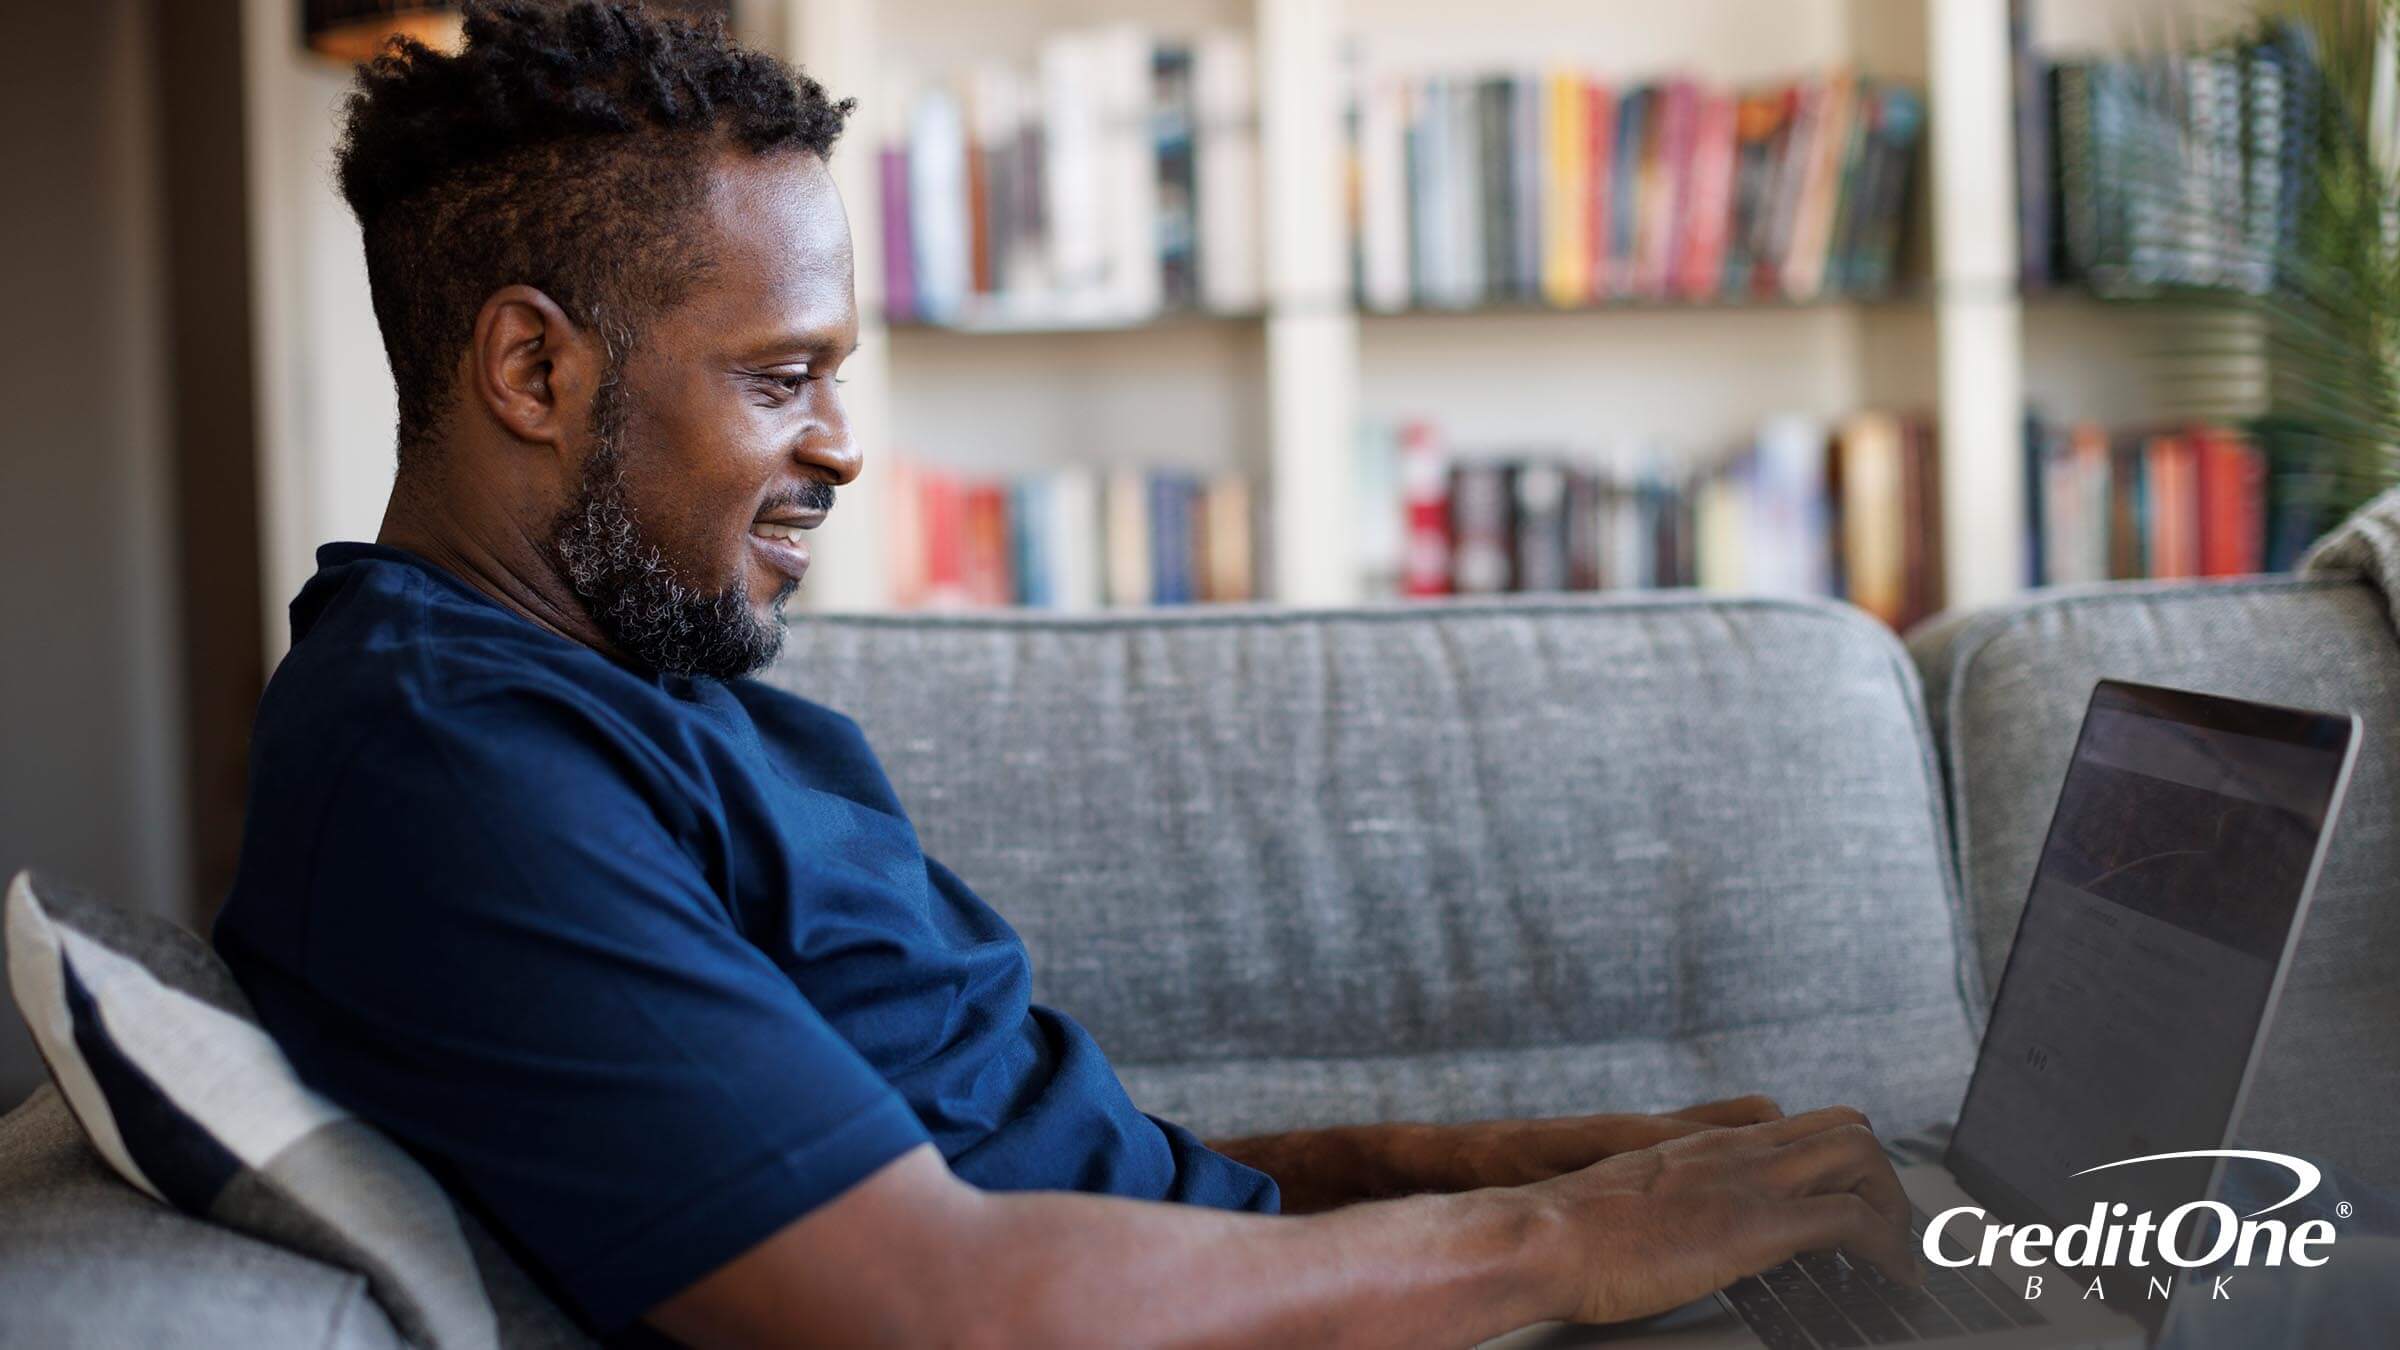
[(914, 1256), (1317, 1170)]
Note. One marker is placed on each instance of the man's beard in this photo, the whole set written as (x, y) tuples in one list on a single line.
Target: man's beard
[(636, 596)]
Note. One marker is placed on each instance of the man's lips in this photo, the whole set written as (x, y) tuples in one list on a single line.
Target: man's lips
[(778, 535)]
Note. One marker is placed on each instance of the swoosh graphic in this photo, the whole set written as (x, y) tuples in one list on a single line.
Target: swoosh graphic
[(2300, 1167)]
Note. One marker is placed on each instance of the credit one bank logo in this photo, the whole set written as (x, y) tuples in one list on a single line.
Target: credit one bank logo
[(2112, 1237)]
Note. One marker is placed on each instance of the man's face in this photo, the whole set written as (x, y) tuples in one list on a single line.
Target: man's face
[(724, 436)]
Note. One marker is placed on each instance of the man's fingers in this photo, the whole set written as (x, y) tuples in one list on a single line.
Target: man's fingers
[(1791, 1129), (1847, 1221), (1750, 1110), (1844, 1158)]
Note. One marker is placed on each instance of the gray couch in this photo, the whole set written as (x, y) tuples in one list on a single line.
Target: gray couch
[(1474, 860)]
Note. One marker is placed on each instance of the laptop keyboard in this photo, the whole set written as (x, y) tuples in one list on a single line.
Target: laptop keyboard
[(1822, 1300)]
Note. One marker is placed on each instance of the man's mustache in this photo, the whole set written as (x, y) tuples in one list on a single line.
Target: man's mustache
[(809, 496)]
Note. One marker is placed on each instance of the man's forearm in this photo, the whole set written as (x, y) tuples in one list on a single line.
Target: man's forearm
[(1323, 1169), (1423, 1271), (915, 1258)]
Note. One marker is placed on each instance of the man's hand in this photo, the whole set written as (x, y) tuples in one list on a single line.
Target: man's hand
[(1520, 1152), (1652, 1230), (1323, 1169)]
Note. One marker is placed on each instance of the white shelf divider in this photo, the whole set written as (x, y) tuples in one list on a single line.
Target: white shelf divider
[(1312, 333), (1978, 322)]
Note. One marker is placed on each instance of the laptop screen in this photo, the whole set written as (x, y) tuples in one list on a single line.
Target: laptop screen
[(2161, 910)]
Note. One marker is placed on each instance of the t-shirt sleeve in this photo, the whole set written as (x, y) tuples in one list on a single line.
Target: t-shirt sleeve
[(515, 962)]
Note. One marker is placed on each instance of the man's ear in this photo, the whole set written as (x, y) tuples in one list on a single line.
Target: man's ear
[(531, 367)]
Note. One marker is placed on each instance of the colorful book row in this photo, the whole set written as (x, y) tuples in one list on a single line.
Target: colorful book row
[(1069, 539), (1118, 179), (1852, 511), (2167, 503), (2164, 170), (1573, 191)]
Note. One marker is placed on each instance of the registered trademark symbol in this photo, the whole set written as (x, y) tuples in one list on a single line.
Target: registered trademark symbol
[(2342, 1210)]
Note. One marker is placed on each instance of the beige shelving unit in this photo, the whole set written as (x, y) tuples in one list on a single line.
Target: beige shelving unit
[(1282, 392), (1287, 389)]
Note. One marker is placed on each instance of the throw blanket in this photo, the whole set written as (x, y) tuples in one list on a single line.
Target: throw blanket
[(2367, 544)]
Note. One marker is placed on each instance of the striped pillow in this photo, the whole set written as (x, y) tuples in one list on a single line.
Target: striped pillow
[(176, 1085)]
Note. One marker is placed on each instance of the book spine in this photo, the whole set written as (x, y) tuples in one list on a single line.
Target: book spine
[(1384, 198), (899, 262), (1225, 94), (1424, 487), (1566, 195), (1481, 535), (1496, 194), (1600, 167), (1525, 164), (1173, 135)]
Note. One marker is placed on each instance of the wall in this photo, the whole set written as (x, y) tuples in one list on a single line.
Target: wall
[(324, 395), (90, 756)]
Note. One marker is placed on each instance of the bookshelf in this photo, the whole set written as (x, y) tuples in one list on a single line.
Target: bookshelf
[(1281, 391)]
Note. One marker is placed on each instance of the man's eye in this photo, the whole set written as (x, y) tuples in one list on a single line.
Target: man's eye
[(782, 384)]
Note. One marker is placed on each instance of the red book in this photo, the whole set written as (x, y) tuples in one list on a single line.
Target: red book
[(989, 579), (1708, 224), (2174, 502), (1600, 112), (2232, 504), (1425, 498), (943, 520), (1665, 176)]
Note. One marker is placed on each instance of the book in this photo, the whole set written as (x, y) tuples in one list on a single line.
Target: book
[(1389, 274), (1567, 199), (1872, 499), (1424, 492), (1174, 121), (1538, 527), (1228, 558), (1708, 224), (1482, 534), (1809, 248), (1599, 169), (1070, 539), (984, 565), (939, 229), (1225, 101), (899, 255)]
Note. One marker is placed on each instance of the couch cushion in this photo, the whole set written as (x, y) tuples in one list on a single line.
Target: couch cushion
[(156, 1051), (2008, 687), (86, 1260), (1444, 861)]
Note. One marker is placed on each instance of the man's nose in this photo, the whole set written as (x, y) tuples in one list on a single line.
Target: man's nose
[(833, 452)]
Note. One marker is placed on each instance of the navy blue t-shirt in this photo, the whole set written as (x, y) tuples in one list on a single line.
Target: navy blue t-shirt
[(644, 967)]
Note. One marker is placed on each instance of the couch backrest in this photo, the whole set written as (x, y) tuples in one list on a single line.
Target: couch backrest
[(2007, 687), (1443, 862), (85, 1259)]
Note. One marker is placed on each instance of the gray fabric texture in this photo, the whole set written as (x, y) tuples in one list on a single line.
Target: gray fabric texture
[(1443, 862), (88, 1261), (2365, 545), (340, 1193), (2009, 685), (347, 1194)]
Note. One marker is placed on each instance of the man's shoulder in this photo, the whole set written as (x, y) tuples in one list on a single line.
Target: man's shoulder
[(382, 644)]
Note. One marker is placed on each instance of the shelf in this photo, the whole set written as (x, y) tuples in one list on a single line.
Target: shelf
[(1612, 308), (1051, 326)]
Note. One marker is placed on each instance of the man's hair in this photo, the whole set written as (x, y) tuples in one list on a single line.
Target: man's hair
[(564, 147)]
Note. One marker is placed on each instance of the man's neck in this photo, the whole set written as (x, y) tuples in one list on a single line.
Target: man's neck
[(512, 567)]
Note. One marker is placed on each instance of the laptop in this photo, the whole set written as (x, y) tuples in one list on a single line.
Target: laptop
[(2163, 914)]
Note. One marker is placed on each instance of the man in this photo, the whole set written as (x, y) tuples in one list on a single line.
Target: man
[(644, 959)]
